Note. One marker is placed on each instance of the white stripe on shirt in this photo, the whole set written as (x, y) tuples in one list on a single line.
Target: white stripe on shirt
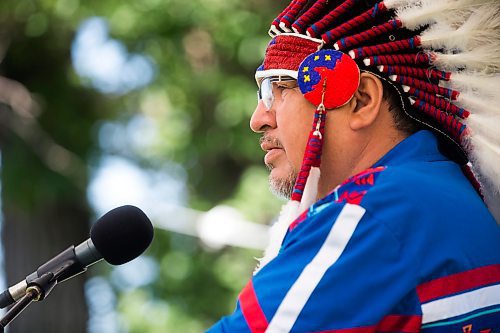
[(332, 248), (460, 304)]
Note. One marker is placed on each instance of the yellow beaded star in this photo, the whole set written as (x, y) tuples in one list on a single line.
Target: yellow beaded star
[(316, 57), (328, 57), (307, 78), (305, 69)]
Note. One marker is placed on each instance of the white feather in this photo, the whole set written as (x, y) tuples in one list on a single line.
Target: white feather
[(430, 11), (492, 200), (393, 4), (485, 58), (485, 86), (482, 27), (310, 189), (438, 35), (456, 18), (277, 232), (485, 158), (477, 105), (473, 29), (488, 156), (487, 188), (486, 126), (289, 212)]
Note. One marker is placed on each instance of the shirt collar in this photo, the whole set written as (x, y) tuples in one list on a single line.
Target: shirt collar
[(418, 146)]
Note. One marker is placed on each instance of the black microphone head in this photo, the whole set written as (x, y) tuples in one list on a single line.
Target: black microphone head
[(122, 234)]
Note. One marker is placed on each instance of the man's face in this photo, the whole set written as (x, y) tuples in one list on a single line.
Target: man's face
[(285, 127)]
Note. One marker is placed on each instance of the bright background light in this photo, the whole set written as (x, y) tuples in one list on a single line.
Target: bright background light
[(106, 62)]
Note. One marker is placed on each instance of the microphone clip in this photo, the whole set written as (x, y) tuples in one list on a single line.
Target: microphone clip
[(37, 290)]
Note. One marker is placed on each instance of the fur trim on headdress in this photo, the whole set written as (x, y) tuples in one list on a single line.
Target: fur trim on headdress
[(277, 232), (289, 212)]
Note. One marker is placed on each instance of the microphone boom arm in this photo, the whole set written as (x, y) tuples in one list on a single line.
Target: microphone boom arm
[(37, 290), (65, 265)]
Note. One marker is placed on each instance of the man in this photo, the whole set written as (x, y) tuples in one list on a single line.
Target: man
[(385, 230)]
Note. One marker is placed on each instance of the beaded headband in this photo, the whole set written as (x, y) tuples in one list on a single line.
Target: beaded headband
[(442, 57)]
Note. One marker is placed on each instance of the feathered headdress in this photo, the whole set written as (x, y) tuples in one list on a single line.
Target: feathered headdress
[(443, 57)]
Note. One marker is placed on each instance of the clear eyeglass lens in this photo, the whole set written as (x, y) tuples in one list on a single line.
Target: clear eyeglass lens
[(266, 93)]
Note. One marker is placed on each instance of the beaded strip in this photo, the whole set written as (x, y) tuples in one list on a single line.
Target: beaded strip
[(317, 28), (416, 72), (303, 21), (343, 29), (367, 35), (449, 123), (290, 16), (276, 22), (390, 47), (399, 59), (426, 86), (438, 102)]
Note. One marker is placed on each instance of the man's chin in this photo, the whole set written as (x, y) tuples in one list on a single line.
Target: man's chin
[(282, 187)]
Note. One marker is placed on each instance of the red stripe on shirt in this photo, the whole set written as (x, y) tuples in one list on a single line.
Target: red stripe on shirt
[(251, 309), (398, 323), (367, 329), (390, 323), (459, 282)]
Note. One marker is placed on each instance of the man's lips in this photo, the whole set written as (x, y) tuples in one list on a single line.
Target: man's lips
[(272, 151), (267, 142), (272, 147), (267, 146), (271, 155)]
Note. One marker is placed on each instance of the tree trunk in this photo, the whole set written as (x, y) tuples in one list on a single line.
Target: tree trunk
[(33, 234)]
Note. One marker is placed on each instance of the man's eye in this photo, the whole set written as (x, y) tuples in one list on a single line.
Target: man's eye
[(283, 87), (286, 89)]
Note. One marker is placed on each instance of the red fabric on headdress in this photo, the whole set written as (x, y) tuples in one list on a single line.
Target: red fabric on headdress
[(416, 72), (287, 52), (367, 35)]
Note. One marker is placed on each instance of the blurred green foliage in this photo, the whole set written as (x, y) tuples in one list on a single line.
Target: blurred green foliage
[(205, 53)]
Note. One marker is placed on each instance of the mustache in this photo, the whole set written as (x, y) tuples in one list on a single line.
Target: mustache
[(273, 141)]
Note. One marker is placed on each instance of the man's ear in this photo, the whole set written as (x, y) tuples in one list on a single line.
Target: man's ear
[(368, 101)]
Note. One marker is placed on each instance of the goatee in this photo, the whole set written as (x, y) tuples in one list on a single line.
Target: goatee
[(281, 187)]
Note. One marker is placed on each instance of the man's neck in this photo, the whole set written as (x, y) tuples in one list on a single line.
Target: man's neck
[(336, 170)]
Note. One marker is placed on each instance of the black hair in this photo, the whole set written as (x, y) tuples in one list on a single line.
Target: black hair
[(402, 121)]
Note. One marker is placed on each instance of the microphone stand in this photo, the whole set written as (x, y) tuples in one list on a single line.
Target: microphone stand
[(37, 290), (32, 294)]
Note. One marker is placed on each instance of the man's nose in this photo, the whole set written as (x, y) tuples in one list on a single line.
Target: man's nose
[(262, 119)]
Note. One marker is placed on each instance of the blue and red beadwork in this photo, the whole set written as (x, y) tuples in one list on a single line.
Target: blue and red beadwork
[(329, 77)]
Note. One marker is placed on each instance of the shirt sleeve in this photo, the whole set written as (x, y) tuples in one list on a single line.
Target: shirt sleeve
[(339, 269)]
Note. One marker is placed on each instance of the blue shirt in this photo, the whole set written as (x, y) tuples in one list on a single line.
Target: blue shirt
[(405, 246)]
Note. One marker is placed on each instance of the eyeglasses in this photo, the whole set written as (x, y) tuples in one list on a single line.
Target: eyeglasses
[(265, 92)]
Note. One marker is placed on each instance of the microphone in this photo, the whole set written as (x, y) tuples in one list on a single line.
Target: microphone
[(120, 235)]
